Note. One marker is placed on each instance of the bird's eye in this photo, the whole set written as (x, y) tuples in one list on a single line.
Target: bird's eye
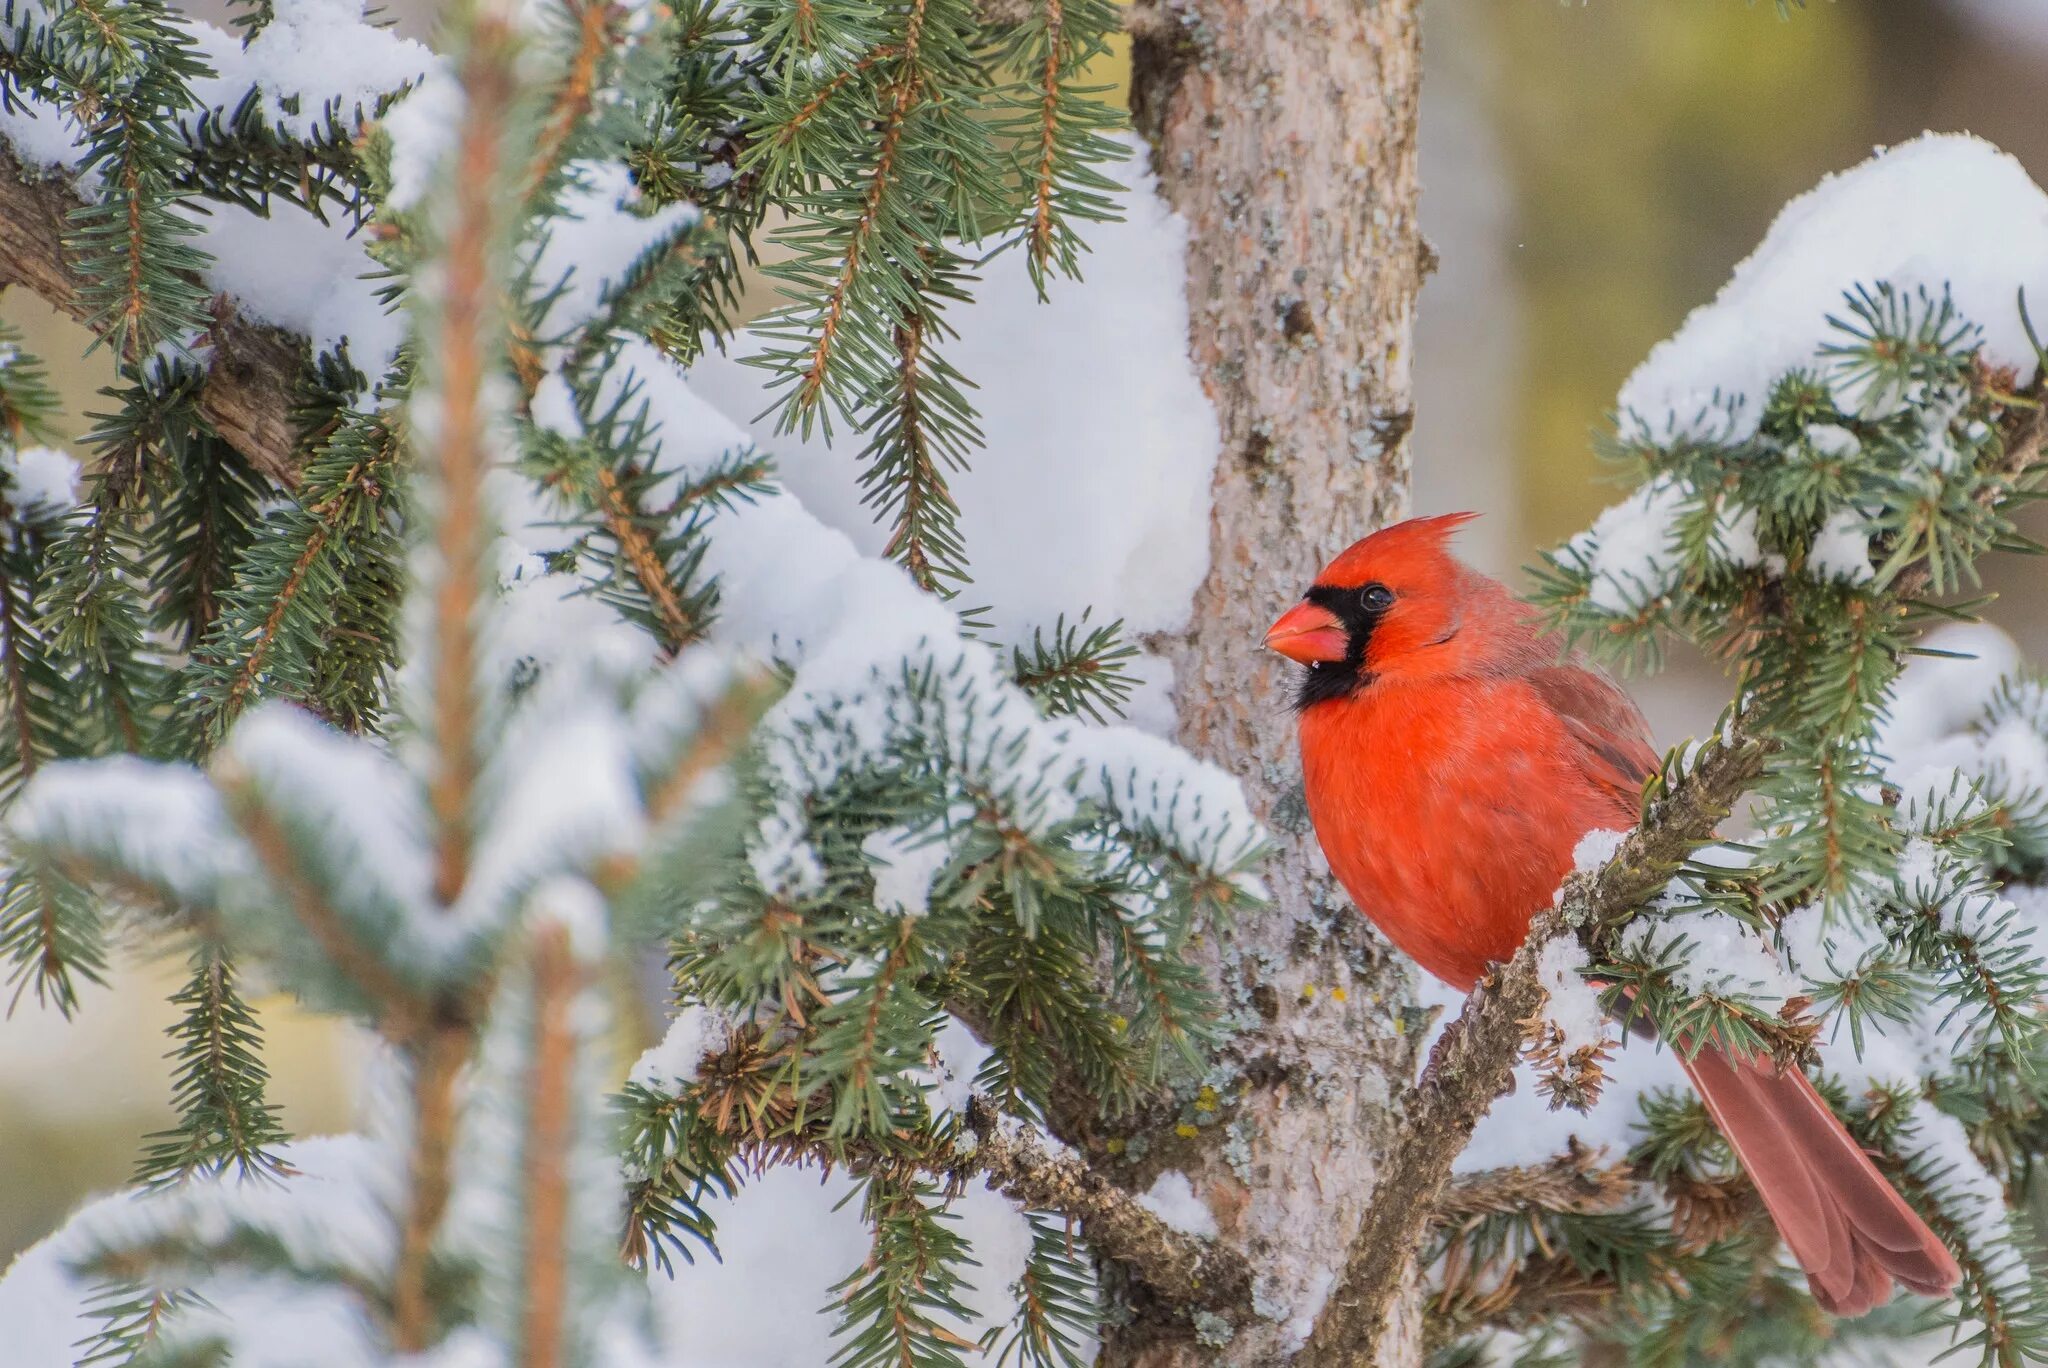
[(1376, 598)]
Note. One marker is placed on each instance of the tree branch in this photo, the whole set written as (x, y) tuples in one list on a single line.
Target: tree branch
[(1574, 1182), (248, 390), (1187, 1273)]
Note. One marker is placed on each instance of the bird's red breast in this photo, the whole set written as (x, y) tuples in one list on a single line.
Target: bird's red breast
[(1449, 810), (1451, 756)]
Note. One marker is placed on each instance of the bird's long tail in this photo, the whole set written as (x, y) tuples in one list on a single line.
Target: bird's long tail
[(1850, 1231)]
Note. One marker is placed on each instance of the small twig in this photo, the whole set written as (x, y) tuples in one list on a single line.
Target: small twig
[(1573, 1183), (571, 103), (678, 627)]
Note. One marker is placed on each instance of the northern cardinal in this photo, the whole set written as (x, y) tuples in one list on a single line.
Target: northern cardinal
[(1453, 757)]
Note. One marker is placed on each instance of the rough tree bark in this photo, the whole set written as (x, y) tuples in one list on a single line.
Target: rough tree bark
[(1285, 136)]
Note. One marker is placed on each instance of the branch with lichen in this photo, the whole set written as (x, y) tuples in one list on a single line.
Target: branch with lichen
[(1190, 1274)]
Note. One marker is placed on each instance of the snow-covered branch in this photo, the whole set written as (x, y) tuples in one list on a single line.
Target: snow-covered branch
[(248, 390)]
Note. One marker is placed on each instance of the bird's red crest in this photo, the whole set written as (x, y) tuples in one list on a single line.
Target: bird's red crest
[(1405, 546)]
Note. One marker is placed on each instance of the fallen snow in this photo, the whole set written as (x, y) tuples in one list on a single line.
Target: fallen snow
[(1944, 210), (1522, 1128), (1841, 549), (1721, 956), (597, 240), (42, 135), (43, 479), (319, 55), (1969, 1195), (1172, 1199), (958, 1056), (1631, 552), (673, 1061), (418, 128), (1573, 1006), (165, 822), (305, 276), (1937, 698), (1595, 849), (1101, 441), (905, 861)]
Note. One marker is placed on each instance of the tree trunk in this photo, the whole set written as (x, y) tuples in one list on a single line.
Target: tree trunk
[(1285, 136)]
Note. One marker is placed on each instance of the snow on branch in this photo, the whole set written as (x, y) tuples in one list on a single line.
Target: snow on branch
[(248, 390)]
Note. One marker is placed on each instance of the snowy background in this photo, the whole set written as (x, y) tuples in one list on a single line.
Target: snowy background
[(1583, 197)]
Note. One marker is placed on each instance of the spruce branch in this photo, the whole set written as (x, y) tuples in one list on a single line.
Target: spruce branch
[(1057, 1302), (895, 1307), (923, 427), (28, 680), (398, 1007), (1061, 129), (550, 1120), (224, 1120), (28, 406), (464, 356), (569, 103), (125, 80), (326, 567), (131, 1316), (745, 1110), (821, 359), (205, 525), (100, 636), (437, 1063), (1073, 672), (51, 936)]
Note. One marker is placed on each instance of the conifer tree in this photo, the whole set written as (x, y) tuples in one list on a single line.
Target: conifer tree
[(388, 648)]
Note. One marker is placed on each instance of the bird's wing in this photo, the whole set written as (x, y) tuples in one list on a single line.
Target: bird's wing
[(1609, 728)]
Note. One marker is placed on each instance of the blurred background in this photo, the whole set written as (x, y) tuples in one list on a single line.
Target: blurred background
[(1591, 172)]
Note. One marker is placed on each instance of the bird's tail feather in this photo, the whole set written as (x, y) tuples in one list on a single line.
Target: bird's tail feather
[(1847, 1226)]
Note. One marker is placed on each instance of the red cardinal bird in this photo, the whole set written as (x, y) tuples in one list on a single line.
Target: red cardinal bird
[(1453, 757)]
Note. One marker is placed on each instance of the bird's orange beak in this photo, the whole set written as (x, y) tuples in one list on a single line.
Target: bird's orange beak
[(1309, 634)]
